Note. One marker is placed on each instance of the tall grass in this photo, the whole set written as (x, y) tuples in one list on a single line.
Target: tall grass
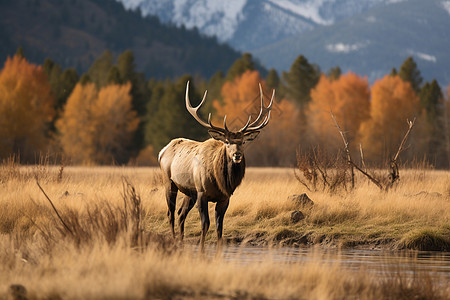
[(116, 243)]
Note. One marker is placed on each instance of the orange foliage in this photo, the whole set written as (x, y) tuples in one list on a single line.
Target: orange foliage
[(348, 98), (98, 126), (241, 98), (393, 102), (26, 108), (277, 143)]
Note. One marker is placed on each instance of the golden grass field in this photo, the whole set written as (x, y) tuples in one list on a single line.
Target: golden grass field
[(102, 258)]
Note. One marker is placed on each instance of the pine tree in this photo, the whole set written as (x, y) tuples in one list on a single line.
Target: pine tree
[(273, 82), (298, 82), (334, 73), (410, 73), (240, 66), (430, 97), (167, 117), (99, 70), (139, 92)]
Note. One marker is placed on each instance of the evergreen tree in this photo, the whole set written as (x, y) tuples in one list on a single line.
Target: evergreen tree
[(114, 76), (168, 117), (215, 84), (85, 79), (20, 53), (99, 70), (394, 72), (273, 81), (410, 73), (432, 145), (334, 73), (240, 66), (139, 92), (298, 82), (62, 82), (430, 97)]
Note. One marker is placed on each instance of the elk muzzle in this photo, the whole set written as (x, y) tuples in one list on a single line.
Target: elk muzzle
[(237, 157)]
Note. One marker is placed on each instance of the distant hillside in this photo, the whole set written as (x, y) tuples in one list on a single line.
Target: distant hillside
[(250, 24), (75, 32), (373, 42)]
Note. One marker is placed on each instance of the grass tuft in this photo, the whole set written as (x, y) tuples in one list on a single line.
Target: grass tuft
[(426, 240)]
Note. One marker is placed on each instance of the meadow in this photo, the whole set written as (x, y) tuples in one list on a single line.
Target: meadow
[(108, 236)]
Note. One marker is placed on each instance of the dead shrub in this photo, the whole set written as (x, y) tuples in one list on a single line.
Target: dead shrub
[(318, 171)]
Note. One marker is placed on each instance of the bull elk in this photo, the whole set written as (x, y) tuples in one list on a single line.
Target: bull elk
[(207, 171)]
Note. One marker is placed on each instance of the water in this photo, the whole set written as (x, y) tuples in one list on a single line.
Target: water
[(380, 263)]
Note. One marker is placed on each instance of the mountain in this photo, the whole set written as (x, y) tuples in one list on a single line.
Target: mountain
[(76, 32), (369, 37), (250, 24), (373, 42)]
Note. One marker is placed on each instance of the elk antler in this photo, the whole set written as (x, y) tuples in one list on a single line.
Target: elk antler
[(261, 121), (264, 114), (193, 112)]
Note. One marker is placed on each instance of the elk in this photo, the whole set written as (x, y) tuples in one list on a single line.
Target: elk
[(208, 171)]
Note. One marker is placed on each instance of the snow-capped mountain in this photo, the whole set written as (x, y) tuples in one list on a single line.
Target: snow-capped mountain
[(368, 37), (373, 42), (250, 24)]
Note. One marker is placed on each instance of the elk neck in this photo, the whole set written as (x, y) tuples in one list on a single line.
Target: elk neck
[(228, 175)]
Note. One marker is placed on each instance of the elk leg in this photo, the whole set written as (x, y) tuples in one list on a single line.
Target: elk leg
[(171, 198), (221, 208), (204, 215), (188, 204)]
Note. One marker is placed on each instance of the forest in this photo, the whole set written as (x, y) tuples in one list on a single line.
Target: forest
[(113, 114)]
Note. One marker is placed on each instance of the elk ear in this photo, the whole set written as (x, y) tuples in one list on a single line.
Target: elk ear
[(217, 135), (250, 136)]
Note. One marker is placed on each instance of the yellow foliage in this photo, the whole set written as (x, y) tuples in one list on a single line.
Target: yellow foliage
[(97, 126), (26, 108)]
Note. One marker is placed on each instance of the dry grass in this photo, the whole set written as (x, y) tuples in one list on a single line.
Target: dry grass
[(106, 260)]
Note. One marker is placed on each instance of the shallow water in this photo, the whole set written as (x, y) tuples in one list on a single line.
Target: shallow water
[(378, 262)]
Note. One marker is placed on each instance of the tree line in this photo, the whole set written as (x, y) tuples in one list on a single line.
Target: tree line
[(113, 115)]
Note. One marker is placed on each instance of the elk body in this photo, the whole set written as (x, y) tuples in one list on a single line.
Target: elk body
[(208, 171)]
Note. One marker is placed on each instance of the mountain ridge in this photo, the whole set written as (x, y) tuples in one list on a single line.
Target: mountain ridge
[(75, 33)]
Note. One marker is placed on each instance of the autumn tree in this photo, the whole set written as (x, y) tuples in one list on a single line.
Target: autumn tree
[(277, 143), (241, 98), (393, 102), (26, 109), (98, 126), (348, 98)]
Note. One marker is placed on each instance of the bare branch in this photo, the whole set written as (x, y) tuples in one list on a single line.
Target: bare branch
[(347, 151), (402, 144), (53, 206)]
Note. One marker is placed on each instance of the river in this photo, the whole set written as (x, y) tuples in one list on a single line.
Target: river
[(377, 262)]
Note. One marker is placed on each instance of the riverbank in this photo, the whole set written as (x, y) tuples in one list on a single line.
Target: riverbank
[(110, 238), (414, 215)]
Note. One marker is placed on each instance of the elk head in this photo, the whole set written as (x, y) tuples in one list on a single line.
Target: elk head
[(233, 140)]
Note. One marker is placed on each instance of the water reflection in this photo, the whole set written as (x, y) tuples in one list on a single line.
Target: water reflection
[(374, 261)]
